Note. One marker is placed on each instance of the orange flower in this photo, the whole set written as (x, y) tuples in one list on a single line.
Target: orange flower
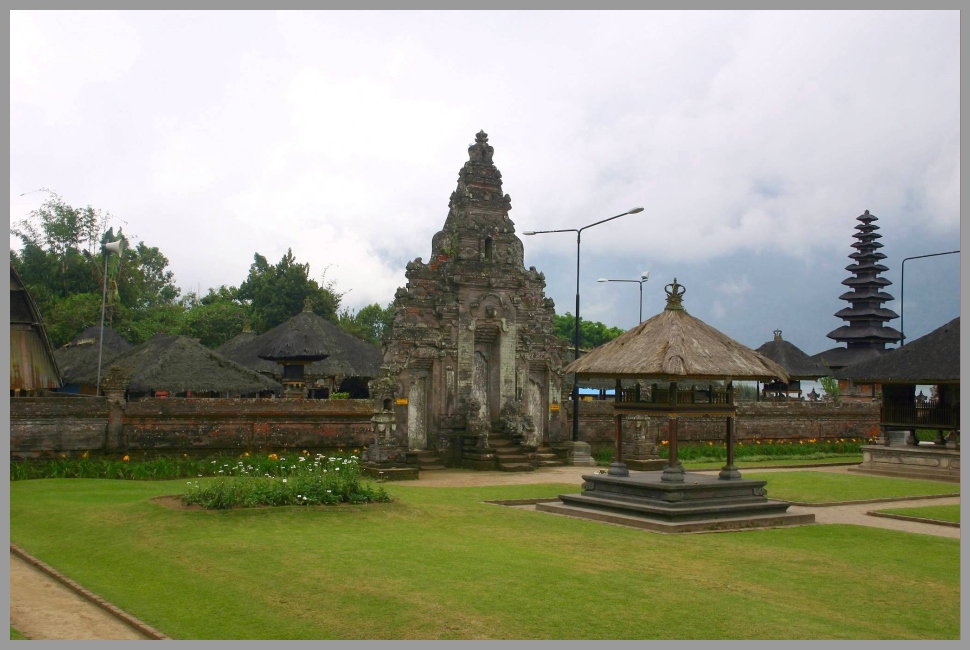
[(273, 457), (126, 459), (84, 455)]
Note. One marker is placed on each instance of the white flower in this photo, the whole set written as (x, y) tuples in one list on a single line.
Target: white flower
[(188, 482), (302, 459), (329, 491), (284, 480)]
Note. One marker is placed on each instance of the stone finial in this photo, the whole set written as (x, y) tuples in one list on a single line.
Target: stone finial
[(481, 151), (246, 327), (308, 304), (777, 335), (675, 294)]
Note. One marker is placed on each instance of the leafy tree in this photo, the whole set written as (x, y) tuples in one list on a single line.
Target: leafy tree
[(276, 293), (591, 333), (62, 264), (216, 317), (371, 323), (831, 387)]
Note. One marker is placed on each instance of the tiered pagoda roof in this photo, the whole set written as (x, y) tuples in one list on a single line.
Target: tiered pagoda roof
[(866, 334)]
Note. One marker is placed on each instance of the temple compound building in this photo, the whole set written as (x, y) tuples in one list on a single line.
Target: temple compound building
[(472, 350)]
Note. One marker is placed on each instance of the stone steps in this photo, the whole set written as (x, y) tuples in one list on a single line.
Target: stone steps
[(425, 460)]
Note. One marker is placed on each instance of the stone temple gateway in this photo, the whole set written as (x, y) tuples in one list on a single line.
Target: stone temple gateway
[(472, 351)]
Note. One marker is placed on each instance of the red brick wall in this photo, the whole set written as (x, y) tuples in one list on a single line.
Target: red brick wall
[(46, 425), (754, 420)]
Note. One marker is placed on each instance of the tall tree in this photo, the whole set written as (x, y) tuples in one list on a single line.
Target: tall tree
[(371, 323), (62, 263), (591, 333), (277, 292)]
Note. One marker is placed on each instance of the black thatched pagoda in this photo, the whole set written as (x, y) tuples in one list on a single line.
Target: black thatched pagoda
[(866, 335), (796, 363), (294, 344)]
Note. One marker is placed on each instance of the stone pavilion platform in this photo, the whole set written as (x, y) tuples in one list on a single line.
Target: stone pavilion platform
[(701, 503)]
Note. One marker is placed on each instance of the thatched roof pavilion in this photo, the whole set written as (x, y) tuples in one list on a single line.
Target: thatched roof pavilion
[(78, 359), (674, 346), (349, 356), (930, 359), (178, 364), (798, 365)]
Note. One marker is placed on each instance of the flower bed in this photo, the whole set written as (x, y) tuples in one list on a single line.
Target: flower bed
[(301, 480), (768, 448)]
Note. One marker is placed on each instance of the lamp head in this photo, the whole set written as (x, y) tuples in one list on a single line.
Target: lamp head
[(602, 280), (113, 247), (529, 232), (645, 275), (639, 208)]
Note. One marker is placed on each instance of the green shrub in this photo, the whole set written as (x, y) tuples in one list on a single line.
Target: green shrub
[(339, 395)]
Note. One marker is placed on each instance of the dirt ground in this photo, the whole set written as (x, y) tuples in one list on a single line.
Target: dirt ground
[(42, 608)]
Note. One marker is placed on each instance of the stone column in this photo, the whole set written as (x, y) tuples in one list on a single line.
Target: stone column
[(674, 471), (729, 471), (617, 467), (114, 384)]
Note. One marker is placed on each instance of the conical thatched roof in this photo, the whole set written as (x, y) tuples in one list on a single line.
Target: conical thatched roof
[(349, 355), (930, 359), (78, 359), (675, 344), (32, 362), (798, 364), (178, 364)]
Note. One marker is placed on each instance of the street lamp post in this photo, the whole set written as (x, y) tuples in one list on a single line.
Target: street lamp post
[(643, 278), (579, 233), (109, 247), (902, 292)]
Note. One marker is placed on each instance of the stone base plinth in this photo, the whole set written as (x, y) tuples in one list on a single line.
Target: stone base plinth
[(700, 503), (933, 462), (390, 473), (645, 464), (575, 453)]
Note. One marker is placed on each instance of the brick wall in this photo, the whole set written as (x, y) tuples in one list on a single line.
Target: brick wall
[(58, 424), (188, 425), (754, 420)]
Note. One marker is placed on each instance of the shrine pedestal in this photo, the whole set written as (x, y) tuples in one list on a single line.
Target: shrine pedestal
[(575, 453), (937, 463), (701, 503)]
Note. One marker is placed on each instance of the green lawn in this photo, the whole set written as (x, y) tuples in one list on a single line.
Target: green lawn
[(15, 635), (824, 487), (940, 513), (439, 563)]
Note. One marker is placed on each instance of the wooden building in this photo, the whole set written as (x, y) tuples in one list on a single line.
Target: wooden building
[(33, 368), (796, 363)]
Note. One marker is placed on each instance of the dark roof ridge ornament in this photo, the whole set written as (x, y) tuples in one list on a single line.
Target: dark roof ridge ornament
[(675, 294), (777, 334)]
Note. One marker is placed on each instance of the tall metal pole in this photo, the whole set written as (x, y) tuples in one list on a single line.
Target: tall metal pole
[(902, 292), (579, 234), (104, 298), (641, 303)]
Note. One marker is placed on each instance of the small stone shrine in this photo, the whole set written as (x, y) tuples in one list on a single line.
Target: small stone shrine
[(675, 347), (472, 349)]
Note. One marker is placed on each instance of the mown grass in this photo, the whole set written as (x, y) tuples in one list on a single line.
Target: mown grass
[(438, 563), (825, 487), (15, 635), (939, 513)]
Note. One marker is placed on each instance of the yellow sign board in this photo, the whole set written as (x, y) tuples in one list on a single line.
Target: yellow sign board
[(553, 407), (401, 401)]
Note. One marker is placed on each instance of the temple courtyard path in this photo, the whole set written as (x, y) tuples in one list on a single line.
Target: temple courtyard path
[(43, 608)]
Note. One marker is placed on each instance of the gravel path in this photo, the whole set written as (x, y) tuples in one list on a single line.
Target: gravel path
[(42, 608)]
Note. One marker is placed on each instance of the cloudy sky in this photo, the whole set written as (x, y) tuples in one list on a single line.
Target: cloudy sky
[(752, 140)]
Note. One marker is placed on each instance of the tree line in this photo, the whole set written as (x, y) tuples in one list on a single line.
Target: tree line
[(62, 264)]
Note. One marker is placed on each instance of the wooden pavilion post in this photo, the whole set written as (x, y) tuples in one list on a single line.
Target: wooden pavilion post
[(729, 471), (674, 472), (618, 467)]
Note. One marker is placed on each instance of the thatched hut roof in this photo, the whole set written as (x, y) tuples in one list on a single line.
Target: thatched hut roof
[(32, 362), (78, 359), (349, 355), (178, 364), (840, 357), (675, 344), (930, 359), (798, 364)]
